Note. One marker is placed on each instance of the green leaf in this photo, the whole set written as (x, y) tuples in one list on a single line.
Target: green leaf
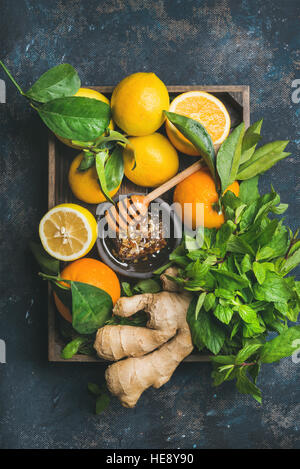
[(246, 264), (127, 288), (249, 190), (253, 330), (229, 156), (72, 347), (229, 280), (222, 293), (101, 158), (263, 159), (223, 359), (87, 161), (198, 136), (223, 313), (199, 304), (47, 263), (247, 313), (246, 352), (250, 140), (223, 235), (58, 82), (114, 169), (245, 386), (91, 307), (139, 319), (162, 269), (194, 325), (282, 346), (63, 293), (76, 118), (113, 136), (147, 286), (205, 330), (94, 389), (259, 272), (265, 252), (209, 301), (102, 403), (292, 261), (274, 288), (280, 209)]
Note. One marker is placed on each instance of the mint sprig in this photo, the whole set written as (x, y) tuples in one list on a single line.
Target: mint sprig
[(238, 276)]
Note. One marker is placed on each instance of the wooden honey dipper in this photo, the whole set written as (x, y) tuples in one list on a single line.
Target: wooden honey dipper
[(129, 210)]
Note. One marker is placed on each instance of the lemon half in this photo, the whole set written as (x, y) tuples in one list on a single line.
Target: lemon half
[(68, 232)]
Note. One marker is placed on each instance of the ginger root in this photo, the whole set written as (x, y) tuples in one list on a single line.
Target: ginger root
[(154, 351)]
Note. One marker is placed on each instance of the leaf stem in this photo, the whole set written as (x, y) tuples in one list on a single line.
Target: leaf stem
[(12, 78)]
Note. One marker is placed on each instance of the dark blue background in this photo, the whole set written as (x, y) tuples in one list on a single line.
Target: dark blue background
[(45, 405)]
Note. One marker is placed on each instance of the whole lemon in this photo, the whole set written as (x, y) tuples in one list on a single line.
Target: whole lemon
[(156, 160), (87, 93), (85, 184), (138, 102)]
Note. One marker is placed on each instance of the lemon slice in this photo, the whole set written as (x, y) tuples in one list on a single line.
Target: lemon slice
[(68, 232)]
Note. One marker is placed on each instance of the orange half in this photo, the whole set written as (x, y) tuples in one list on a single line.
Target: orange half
[(205, 108)]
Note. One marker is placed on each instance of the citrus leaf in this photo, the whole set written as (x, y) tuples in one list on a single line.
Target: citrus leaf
[(47, 263), (101, 158), (229, 156), (58, 82), (250, 140), (91, 307), (114, 169), (76, 118), (263, 159), (198, 136)]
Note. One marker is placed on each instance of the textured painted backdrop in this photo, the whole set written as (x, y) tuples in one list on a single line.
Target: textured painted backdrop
[(46, 405)]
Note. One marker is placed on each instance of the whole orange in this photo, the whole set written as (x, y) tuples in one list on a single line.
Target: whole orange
[(200, 188), (93, 272)]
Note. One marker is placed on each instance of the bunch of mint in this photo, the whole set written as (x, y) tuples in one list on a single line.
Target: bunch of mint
[(241, 292)]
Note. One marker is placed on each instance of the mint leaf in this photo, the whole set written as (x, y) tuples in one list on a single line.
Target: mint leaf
[(274, 288), (282, 346), (199, 304), (209, 301), (223, 313), (102, 403), (249, 190), (292, 261), (246, 313), (245, 386), (246, 352)]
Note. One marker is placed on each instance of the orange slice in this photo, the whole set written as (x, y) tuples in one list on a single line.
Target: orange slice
[(205, 108)]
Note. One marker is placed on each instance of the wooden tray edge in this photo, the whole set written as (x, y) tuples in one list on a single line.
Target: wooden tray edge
[(53, 353)]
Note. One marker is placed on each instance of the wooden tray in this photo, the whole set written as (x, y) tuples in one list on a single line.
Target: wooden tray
[(236, 99)]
